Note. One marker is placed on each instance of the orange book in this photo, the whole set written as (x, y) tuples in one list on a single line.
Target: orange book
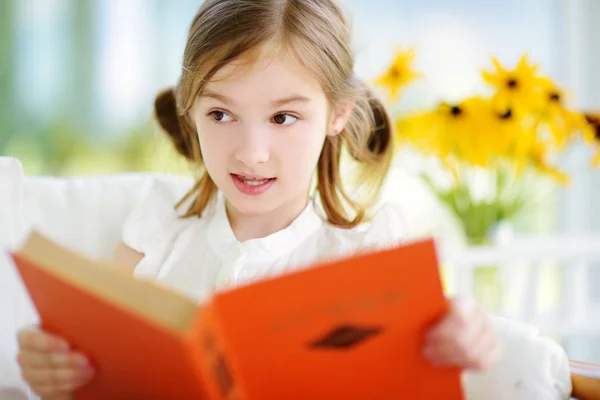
[(350, 329)]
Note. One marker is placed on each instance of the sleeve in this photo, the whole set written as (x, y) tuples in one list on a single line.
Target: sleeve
[(387, 228), (531, 367), (152, 228)]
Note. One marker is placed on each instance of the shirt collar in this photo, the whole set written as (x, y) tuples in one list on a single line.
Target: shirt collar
[(223, 241)]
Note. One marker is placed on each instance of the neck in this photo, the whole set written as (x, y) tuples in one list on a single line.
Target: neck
[(253, 226)]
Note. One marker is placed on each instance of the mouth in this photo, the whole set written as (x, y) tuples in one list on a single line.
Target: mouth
[(251, 184)]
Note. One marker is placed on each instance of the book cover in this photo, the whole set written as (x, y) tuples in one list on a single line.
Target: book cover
[(351, 329)]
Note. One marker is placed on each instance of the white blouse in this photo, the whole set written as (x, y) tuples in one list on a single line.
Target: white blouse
[(197, 256)]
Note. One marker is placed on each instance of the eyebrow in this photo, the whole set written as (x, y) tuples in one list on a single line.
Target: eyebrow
[(276, 103)]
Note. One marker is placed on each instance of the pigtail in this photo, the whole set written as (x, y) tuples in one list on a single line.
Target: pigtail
[(369, 132), (184, 137), (178, 128), (368, 138)]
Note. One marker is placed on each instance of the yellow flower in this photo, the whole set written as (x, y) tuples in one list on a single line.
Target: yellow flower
[(538, 159), (417, 130), (563, 124), (399, 74), (592, 135), (517, 88), (471, 132), (596, 159), (482, 135), (463, 127)]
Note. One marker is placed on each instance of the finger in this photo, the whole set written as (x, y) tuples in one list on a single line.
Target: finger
[(474, 331), (462, 312), (455, 343), (484, 354), (41, 341), (36, 359), (52, 392), (464, 306), (494, 355), (68, 396), (443, 354), (479, 354), (445, 329), (448, 329), (56, 377)]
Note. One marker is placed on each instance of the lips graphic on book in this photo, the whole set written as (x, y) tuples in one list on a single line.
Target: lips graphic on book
[(224, 378), (346, 336)]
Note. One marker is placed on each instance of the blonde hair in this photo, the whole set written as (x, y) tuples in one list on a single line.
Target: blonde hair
[(317, 35)]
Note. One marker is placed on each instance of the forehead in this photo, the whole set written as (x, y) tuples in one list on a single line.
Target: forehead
[(265, 70)]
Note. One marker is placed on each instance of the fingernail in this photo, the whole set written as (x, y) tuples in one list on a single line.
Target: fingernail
[(84, 360), (62, 346), (88, 372), (88, 363)]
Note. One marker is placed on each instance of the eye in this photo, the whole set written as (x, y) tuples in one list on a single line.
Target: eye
[(284, 119), (220, 116)]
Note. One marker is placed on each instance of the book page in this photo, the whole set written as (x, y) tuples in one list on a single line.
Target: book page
[(154, 302)]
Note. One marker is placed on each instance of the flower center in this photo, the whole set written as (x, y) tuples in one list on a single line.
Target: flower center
[(456, 111), (512, 83), (506, 115)]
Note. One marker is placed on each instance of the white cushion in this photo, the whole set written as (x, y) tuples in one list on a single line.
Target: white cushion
[(87, 214)]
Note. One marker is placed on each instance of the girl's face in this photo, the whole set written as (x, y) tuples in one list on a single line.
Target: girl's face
[(261, 127)]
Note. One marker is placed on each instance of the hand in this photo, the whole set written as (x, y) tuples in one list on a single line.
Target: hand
[(464, 338), (50, 368)]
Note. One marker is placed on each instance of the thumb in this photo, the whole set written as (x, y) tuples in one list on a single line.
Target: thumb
[(463, 306)]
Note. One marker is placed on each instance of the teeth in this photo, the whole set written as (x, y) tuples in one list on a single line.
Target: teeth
[(255, 183)]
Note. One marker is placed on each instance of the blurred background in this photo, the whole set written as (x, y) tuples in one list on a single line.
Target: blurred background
[(78, 80)]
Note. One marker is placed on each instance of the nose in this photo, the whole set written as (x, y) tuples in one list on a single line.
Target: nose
[(253, 147)]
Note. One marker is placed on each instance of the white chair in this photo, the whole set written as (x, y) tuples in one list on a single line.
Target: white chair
[(87, 214)]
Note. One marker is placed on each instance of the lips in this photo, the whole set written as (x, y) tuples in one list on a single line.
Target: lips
[(252, 184), (251, 177)]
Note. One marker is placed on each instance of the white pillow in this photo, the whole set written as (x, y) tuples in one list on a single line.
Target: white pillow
[(11, 289), (87, 214)]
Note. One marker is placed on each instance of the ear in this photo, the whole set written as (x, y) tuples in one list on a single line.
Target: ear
[(340, 117)]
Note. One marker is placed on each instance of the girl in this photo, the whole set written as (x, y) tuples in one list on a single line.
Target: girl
[(267, 97)]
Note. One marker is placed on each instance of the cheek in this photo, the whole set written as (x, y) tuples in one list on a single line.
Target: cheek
[(213, 149), (303, 148)]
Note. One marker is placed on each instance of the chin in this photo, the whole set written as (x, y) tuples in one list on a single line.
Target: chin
[(252, 205)]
